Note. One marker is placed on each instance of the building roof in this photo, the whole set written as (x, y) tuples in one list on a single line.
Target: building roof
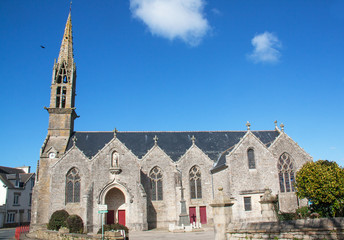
[(9, 170), (174, 144)]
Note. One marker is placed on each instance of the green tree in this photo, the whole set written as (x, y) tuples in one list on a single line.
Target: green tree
[(322, 183)]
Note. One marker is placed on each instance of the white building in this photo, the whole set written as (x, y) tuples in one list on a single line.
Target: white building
[(15, 196)]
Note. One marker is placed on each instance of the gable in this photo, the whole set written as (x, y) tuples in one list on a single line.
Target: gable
[(174, 144)]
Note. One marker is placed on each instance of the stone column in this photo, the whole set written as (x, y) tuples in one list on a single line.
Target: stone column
[(268, 202), (222, 213)]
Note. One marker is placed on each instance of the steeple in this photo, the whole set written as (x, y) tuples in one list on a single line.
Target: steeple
[(66, 50), (62, 98)]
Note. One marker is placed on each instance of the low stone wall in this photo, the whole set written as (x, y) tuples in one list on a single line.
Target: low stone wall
[(323, 228), (54, 235)]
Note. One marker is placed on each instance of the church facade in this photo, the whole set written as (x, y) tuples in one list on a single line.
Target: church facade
[(145, 178)]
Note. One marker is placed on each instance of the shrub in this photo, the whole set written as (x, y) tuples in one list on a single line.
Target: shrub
[(114, 227), (75, 224), (282, 216), (58, 220), (303, 212)]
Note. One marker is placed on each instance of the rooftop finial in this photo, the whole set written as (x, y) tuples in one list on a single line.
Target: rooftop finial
[(74, 139), (115, 132), (155, 140), (70, 6), (193, 139), (248, 125), (282, 127), (275, 123)]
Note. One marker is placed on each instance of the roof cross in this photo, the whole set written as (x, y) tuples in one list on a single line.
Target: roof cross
[(155, 140), (193, 139), (74, 139)]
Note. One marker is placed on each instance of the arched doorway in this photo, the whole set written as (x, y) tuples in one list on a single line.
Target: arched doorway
[(115, 200)]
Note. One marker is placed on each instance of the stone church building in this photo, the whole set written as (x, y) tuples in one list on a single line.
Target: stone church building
[(145, 178)]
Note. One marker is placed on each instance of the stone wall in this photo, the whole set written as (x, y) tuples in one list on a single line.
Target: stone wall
[(300, 229), (54, 235)]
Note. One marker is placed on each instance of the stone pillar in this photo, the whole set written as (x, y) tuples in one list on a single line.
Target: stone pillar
[(222, 213), (268, 202)]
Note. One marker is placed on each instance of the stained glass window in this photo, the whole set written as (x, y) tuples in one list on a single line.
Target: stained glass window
[(156, 184), (195, 181), (286, 173), (73, 186)]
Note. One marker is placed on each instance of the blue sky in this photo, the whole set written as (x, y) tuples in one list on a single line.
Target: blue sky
[(151, 65)]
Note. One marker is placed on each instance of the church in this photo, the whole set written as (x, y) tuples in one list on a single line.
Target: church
[(153, 179)]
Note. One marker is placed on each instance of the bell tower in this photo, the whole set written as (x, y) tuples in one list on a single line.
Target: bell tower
[(62, 98)]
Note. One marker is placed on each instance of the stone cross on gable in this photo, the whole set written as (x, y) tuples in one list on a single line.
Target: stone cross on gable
[(248, 125), (155, 140), (74, 139), (193, 139)]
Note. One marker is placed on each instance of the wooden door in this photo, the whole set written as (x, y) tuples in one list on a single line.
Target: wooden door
[(203, 214), (121, 217), (192, 214), (110, 217)]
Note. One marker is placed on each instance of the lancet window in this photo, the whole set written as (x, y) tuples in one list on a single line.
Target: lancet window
[(286, 173), (251, 159), (73, 186), (195, 181), (156, 178), (62, 74), (61, 93)]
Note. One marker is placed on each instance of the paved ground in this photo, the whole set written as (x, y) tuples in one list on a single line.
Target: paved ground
[(7, 233), (162, 235), (157, 235)]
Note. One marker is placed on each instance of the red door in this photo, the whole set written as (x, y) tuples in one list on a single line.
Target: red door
[(110, 217), (203, 214), (121, 217), (192, 214)]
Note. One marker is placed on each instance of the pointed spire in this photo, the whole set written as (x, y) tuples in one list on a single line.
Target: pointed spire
[(66, 50)]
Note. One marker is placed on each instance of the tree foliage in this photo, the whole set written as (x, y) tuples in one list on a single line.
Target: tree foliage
[(322, 183)]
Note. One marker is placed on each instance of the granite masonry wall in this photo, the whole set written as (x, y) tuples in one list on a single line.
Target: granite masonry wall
[(300, 229)]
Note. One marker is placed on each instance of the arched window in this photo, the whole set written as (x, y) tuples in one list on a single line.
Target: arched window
[(73, 186), (251, 160), (286, 173), (156, 183), (195, 182)]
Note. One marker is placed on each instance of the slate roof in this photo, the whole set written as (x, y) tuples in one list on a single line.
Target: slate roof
[(9, 170), (174, 144)]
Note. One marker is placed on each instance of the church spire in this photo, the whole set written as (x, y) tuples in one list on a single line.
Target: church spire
[(62, 98), (66, 50)]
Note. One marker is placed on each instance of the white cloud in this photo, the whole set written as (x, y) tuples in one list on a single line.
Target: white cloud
[(216, 11), (266, 48), (183, 19)]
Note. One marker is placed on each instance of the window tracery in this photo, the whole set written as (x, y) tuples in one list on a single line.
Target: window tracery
[(286, 173), (156, 178), (195, 182), (73, 186)]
